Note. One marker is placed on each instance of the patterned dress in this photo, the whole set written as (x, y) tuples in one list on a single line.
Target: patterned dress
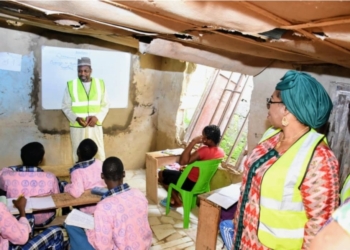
[(319, 189)]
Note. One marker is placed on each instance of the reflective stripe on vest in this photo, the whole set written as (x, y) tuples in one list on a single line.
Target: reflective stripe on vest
[(282, 212), (84, 104), (345, 191)]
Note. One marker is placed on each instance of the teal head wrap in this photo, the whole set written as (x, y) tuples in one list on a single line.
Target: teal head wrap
[(305, 98)]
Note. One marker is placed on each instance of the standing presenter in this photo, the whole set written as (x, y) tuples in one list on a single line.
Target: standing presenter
[(85, 104)]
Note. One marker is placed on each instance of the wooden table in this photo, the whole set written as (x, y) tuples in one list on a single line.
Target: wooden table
[(154, 161), (208, 222), (66, 200)]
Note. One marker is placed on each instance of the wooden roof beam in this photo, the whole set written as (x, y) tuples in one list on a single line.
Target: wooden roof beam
[(287, 23), (319, 23)]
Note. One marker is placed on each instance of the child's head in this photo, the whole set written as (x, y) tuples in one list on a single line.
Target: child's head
[(32, 154), (113, 170), (87, 149), (212, 132)]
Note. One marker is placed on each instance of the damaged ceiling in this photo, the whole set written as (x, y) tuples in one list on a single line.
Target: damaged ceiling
[(222, 34)]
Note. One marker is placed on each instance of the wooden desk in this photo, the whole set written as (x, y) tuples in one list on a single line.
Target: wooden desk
[(66, 200), (208, 222), (154, 161)]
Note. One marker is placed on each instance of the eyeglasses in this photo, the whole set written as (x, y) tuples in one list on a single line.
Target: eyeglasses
[(269, 102)]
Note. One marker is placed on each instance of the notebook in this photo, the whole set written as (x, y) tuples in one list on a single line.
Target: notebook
[(80, 219), (33, 203), (12, 208)]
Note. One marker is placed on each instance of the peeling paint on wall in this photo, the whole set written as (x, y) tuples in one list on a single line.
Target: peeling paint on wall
[(128, 133)]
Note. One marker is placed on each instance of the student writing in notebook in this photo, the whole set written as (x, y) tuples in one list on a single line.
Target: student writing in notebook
[(86, 173), (120, 218), (29, 179), (14, 234)]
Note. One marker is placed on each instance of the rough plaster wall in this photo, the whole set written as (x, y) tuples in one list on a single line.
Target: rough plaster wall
[(129, 133), (175, 73), (264, 85)]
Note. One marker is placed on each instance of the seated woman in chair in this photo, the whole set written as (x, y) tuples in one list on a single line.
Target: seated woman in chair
[(210, 139)]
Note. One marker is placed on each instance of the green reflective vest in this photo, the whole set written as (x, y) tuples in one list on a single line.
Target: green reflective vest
[(282, 213), (83, 104), (345, 191)]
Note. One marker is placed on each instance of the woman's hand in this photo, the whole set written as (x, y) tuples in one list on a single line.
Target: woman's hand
[(198, 139)]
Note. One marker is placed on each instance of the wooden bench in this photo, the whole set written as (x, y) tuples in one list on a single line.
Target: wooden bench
[(66, 200)]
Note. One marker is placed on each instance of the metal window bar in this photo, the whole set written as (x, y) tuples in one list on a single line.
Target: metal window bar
[(242, 78), (228, 104), (237, 140), (201, 103), (221, 97)]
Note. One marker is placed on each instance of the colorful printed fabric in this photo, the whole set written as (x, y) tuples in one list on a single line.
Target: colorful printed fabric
[(205, 153), (82, 164), (17, 232), (84, 178), (29, 184), (26, 169), (117, 190), (319, 190), (121, 222)]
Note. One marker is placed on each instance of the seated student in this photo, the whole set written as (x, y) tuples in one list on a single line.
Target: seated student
[(30, 180), (86, 173), (121, 217), (15, 234), (210, 138)]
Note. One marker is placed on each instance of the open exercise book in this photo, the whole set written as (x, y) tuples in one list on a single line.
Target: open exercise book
[(176, 151), (80, 219), (227, 196), (33, 203)]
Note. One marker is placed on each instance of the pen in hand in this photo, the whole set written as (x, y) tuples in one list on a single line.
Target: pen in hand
[(20, 204)]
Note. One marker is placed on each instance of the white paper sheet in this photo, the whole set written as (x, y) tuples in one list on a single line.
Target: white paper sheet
[(80, 219), (232, 191), (42, 202), (176, 151), (13, 210), (10, 61), (227, 196)]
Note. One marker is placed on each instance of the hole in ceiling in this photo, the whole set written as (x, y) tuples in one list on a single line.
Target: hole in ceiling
[(143, 39), (183, 36), (237, 33), (72, 23), (320, 35), (274, 34)]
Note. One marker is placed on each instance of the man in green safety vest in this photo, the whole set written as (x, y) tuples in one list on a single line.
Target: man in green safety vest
[(85, 104)]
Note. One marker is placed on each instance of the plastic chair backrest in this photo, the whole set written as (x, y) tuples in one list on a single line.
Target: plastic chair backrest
[(207, 170)]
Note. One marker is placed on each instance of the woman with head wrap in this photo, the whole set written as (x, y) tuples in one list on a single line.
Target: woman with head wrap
[(290, 181)]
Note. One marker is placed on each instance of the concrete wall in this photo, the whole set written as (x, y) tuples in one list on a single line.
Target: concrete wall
[(155, 89), (264, 85)]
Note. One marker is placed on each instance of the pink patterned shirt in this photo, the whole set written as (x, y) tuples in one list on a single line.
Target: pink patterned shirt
[(17, 232), (83, 179), (121, 222), (29, 184)]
